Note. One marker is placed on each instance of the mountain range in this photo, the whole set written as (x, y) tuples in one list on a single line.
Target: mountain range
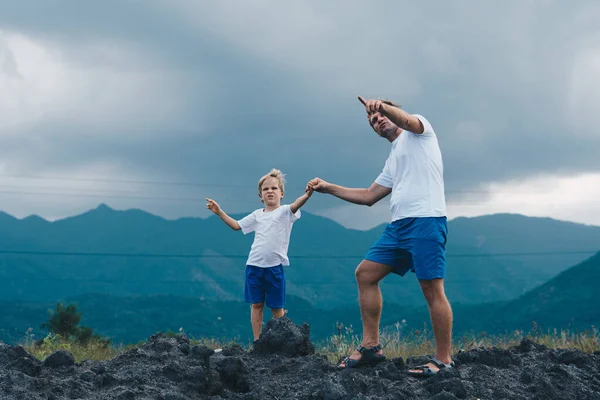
[(134, 266), (567, 301)]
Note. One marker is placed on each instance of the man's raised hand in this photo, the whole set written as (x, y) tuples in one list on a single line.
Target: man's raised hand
[(371, 106)]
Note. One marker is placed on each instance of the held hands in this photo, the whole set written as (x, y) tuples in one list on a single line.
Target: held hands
[(317, 185), (308, 191), (213, 206)]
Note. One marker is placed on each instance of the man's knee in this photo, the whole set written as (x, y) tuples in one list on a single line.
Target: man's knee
[(433, 290), (258, 306), (361, 275), (370, 273)]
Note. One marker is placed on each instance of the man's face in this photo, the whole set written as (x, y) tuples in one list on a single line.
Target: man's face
[(382, 125)]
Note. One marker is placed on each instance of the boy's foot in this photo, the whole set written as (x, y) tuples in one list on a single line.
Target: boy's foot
[(363, 356)]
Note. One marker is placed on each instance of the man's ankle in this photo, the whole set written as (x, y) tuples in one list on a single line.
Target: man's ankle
[(445, 360), (369, 344)]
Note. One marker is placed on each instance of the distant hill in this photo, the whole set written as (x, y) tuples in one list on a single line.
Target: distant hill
[(134, 253), (567, 301)]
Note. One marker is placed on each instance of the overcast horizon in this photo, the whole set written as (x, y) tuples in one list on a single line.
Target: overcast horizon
[(158, 105)]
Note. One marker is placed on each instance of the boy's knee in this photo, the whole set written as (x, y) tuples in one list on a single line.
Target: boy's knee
[(277, 312), (258, 306)]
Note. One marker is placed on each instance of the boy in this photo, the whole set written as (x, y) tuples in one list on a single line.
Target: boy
[(265, 279)]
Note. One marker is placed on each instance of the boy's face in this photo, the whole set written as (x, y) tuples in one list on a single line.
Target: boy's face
[(270, 192)]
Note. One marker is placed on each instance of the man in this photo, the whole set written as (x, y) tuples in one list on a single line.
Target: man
[(415, 239)]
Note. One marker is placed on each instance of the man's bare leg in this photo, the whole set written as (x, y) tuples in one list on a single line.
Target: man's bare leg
[(277, 312), (440, 313), (368, 274), (256, 317)]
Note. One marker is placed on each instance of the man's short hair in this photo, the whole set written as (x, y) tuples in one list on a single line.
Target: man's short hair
[(391, 103)]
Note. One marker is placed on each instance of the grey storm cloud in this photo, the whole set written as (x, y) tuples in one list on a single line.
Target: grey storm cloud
[(220, 92)]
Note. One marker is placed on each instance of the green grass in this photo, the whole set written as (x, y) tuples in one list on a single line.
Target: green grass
[(399, 343), (95, 349), (396, 343)]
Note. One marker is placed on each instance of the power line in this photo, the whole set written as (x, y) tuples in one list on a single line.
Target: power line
[(525, 254), (107, 194), (190, 184), (70, 189), (302, 256), (84, 193), (241, 282), (236, 200), (101, 196), (192, 199), (128, 181)]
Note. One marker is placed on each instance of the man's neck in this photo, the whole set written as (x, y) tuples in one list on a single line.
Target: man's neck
[(394, 136)]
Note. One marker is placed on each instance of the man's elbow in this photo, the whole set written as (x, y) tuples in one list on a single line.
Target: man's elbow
[(372, 199), (369, 201)]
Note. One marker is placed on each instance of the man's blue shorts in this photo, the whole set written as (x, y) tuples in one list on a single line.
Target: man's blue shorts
[(265, 283), (416, 244)]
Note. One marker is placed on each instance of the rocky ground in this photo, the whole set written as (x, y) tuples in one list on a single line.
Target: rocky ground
[(283, 365)]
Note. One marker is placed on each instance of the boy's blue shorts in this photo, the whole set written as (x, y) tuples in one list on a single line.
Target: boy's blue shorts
[(416, 244), (265, 283)]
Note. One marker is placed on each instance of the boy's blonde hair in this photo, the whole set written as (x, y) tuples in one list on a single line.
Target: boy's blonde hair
[(274, 173)]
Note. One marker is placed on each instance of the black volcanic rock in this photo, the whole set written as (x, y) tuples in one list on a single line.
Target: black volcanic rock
[(282, 336), (283, 365)]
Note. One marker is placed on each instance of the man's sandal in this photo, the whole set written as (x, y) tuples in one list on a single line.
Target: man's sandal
[(369, 356), (426, 370)]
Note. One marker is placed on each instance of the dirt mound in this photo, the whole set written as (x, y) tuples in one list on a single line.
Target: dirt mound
[(282, 365)]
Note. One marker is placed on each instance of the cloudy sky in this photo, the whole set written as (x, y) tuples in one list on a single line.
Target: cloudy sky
[(158, 104)]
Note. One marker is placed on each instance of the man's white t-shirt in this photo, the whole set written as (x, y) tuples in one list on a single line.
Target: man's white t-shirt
[(415, 172), (272, 235)]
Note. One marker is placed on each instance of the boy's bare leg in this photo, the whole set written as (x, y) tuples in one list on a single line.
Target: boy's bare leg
[(368, 274), (256, 317), (277, 312)]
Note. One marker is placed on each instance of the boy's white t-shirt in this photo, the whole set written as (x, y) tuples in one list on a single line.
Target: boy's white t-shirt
[(415, 172), (272, 235)]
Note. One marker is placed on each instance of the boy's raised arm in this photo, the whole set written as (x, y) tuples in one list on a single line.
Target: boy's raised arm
[(299, 202), (214, 207)]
